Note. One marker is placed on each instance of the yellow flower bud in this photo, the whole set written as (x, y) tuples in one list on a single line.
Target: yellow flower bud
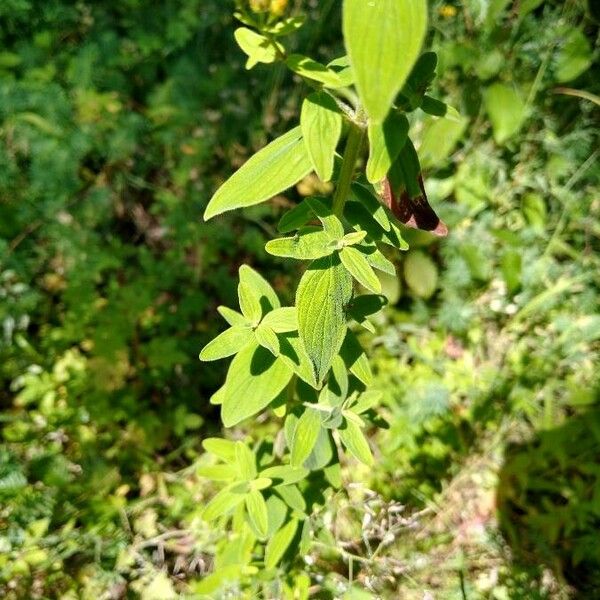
[(278, 7)]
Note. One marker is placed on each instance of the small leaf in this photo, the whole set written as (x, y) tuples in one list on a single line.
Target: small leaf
[(434, 107), (266, 337), (257, 511), (385, 142), (295, 356), (224, 502), (305, 436), (249, 303), (354, 237), (282, 320), (269, 172), (366, 401), (288, 475), (506, 110), (421, 274), (279, 543), (377, 260), (268, 297), (364, 306), (254, 368), (292, 497), (230, 342), (311, 69), (574, 58), (233, 317), (245, 461), (331, 223), (308, 244), (355, 359), (295, 218), (383, 39), (321, 124), (258, 48), (354, 440), (324, 291), (224, 449), (218, 472), (358, 266)]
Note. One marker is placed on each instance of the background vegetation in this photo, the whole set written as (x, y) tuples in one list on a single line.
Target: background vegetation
[(117, 122)]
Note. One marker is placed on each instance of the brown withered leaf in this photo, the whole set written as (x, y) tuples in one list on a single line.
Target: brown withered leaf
[(413, 212)]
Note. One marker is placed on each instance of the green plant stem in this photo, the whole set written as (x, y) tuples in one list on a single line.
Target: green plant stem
[(351, 153)]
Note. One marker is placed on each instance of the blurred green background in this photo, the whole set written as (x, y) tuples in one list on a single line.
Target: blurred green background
[(118, 119)]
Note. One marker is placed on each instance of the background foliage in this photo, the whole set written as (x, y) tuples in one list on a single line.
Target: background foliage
[(117, 123)]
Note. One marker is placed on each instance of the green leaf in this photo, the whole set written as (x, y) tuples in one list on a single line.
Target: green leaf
[(506, 110), (331, 223), (354, 440), (286, 26), (311, 69), (258, 48), (230, 342), (421, 274), (282, 320), (288, 475), (321, 124), (383, 39), (266, 337), (358, 266), (364, 306), (218, 472), (434, 107), (377, 260), (440, 136), (295, 218), (224, 449), (292, 497), (249, 303), (366, 401), (366, 212), (308, 244), (269, 172), (574, 58), (324, 291), (385, 142), (322, 453), (224, 502), (295, 356), (305, 436), (355, 359), (354, 237), (257, 511), (233, 317), (254, 369), (245, 461), (279, 543), (267, 296)]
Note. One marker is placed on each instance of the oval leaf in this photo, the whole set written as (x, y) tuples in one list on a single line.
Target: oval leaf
[(324, 291), (279, 543), (385, 143), (257, 512), (309, 243), (358, 266), (383, 39), (270, 171), (305, 436), (230, 342), (354, 440), (254, 368), (321, 124)]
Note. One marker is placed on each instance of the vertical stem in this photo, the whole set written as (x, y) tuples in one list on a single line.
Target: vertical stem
[(353, 145)]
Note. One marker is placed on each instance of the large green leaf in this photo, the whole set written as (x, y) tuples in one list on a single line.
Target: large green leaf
[(255, 378), (321, 124), (383, 39), (270, 171), (260, 286), (324, 291), (257, 512)]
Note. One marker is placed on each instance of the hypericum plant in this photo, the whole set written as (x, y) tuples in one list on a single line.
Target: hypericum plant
[(304, 362)]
